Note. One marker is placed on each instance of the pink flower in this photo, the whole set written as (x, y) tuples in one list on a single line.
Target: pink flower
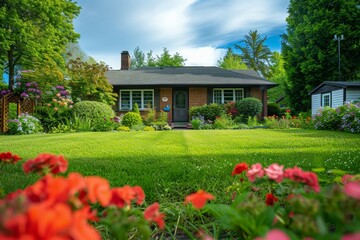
[(347, 178), (275, 234), (351, 236), (352, 189), (254, 172), (55, 109), (275, 172), (298, 175)]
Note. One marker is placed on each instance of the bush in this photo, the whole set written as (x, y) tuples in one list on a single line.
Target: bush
[(123, 129), (249, 107), (224, 122), (103, 125), (273, 109), (149, 129), (136, 109), (93, 110), (209, 112), (131, 119), (24, 124), (150, 117)]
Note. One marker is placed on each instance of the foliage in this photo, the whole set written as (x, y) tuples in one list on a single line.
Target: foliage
[(38, 30), (199, 122), (309, 49), (273, 109), (164, 60), (345, 118), (208, 111), (150, 117), (104, 124), (224, 121), (28, 90), (138, 127), (131, 119), (255, 53), (24, 124), (136, 109), (274, 122), (123, 129), (73, 204), (231, 61), (74, 51), (92, 110), (138, 58), (88, 82), (249, 107), (149, 129)]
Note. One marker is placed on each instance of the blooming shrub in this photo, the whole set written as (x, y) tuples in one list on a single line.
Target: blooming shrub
[(62, 207), (28, 90), (344, 118), (24, 124), (208, 111)]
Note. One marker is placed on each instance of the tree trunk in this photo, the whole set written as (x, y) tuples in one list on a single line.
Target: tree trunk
[(11, 66)]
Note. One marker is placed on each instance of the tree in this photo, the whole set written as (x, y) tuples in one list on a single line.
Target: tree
[(166, 60), (31, 29), (150, 60), (231, 61), (255, 53), (88, 82), (309, 49), (138, 59), (278, 76)]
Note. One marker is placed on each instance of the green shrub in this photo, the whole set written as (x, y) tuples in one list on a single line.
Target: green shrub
[(148, 129), (163, 117), (93, 110), (131, 119), (167, 127), (123, 129), (197, 123), (249, 107), (136, 109), (209, 112), (138, 127), (273, 109), (150, 117), (103, 125), (224, 122)]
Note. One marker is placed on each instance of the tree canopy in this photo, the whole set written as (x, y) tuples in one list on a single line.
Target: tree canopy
[(309, 49), (165, 59), (32, 29), (255, 53), (231, 61)]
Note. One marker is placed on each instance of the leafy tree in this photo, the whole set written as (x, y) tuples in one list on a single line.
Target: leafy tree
[(255, 53), (88, 82), (278, 76), (309, 49), (31, 29), (138, 59), (166, 60), (231, 61), (150, 60)]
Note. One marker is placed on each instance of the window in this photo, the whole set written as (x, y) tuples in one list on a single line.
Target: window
[(143, 98), (326, 100), (223, 95)]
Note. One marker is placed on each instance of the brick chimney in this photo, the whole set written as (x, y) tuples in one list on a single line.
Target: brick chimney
[(125, 60)]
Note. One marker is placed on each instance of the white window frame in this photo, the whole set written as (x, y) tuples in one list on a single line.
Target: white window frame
[(143, 105), (222, 93), (322, 99)]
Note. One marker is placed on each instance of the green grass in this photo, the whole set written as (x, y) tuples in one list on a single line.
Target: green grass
[(171, 164)]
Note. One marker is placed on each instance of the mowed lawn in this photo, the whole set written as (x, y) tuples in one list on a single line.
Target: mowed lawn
[(171, 164)]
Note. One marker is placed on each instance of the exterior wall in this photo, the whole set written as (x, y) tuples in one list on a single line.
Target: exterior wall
[(337, 98), (257, 92), (166, 92), (352, 95), (197, 97), (315, 103)]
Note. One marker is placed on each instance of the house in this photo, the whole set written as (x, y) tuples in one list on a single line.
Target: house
[(334, 94), (176, 89)]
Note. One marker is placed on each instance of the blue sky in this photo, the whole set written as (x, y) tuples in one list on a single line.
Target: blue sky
[(200, 30)]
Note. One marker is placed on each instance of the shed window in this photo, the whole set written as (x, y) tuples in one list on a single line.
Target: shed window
[(143, 98), (224, 95), (326, 100)]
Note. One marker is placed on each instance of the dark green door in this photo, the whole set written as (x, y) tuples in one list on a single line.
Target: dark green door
[(180, 105)]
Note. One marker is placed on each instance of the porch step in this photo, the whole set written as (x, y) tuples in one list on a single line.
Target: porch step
[(180, 124)]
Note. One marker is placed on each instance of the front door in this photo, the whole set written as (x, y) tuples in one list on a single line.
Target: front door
[(180, 105)]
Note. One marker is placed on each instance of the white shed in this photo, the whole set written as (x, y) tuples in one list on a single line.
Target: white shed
[(334, 94)]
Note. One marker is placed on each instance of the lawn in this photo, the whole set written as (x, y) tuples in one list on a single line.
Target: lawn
[(171, 164)]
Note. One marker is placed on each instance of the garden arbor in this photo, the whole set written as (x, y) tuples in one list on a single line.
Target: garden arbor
[(24, 105)]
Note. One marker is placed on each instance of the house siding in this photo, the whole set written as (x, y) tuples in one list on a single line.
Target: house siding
[(352, 95), (166, 92), (337, 98), (198, 97), (315, 103)]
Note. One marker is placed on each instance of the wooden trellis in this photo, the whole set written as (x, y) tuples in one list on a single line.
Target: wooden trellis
[(24, 105)]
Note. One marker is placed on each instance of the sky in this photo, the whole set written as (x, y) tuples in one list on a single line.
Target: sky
[(200, 30)]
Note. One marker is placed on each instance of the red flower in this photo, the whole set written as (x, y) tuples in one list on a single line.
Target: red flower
[(270, 199), (239, 168), (275, 172), (298, 175), (122, 196), (152, 214), (46, 163), (98, 190), (254, 172), (199, 198), (8, 157)]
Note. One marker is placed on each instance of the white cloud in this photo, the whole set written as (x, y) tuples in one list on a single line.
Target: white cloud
[(194, 28)]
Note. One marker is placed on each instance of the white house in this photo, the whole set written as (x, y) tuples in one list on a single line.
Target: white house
[(334, 94)]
